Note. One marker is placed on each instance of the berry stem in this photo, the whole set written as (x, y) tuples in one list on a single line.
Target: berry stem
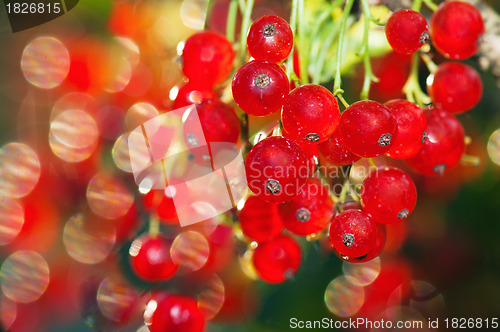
[(343, 193), (304, 47), (342, 100), (231, 20), (345, 15), (432, 6), (429, 63), (245, 25), (372, 162), (470, 161), (293, 26), (417, 4), (320, 62), (154, 226), (369, 76), (246, 145), (412, 88), (208, 11)]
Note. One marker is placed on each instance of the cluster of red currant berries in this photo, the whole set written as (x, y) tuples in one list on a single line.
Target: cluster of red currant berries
[(290, 198)]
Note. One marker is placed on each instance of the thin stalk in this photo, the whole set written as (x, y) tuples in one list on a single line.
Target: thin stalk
[(429, 63), (320, 62), (347, 10), (343, 101), (432, 6), (245, 24), (231, 20), (208, 11), (293, 26), (417, 4), (154, 226), (412, 88), (304, 44), (369, 76)]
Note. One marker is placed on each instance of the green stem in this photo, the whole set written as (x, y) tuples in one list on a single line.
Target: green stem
[(154, 226), (320, 62), (432, 6), (245, 24), (208, 11), (412, 88), (417, 4), (342, 100), (302, 36), (429, 63), (231, 20), (347, 10), (369, 76), (293, 26)]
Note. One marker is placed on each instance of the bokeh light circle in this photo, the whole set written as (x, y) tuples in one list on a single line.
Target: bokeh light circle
[(45, 62), (108, 197), (19, 169), (115, 298), (8, 312), (362, 274), (343, 298), (86, 240), (493, 147), (11, 219), (24, 276), (120, 153), (139, 113), (211, 297), (190, 250)]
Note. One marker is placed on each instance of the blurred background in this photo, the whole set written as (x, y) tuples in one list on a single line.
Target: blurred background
[(69, 207)]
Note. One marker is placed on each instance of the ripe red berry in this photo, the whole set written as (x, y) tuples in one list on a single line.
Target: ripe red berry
[(406, 31), (376, 250), (411, 128), (259, 220), (455, 87), (162, 205), (192, 93), (278, 259), (310, 211), (150, 258), (207, 58), (310, 113), (176, 313), (367, 128), (389, 195), (445, 144), (260, 87), (456, 28), (270, 38), (311, 150), (276, 169), (352, 233), (336, 151)]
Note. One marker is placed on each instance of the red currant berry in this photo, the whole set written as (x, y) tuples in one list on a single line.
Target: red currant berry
[(411, 128), (259, 220), (207, 58), (336, 152), (162, 205), (310, 113), (444, 145), (191, 93), (277, 260), (270, 38), (176, 313), (368, 128), (389, 195), (376, 250), (310, 211), (276, 169), (455, 87), (406, 31), (352, 233), (311, 150), (260, 87), (150, 258), (456, 28)]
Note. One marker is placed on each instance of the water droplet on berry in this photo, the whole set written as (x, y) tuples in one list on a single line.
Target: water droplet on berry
[(403, 214), (273, 186), (262, 81), (312, 137), (348, 240), (303, 214), (384, 140), (269, 30)]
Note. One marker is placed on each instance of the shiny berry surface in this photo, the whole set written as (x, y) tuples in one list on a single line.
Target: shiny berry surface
[(276, 169), (311, 150), (311, 113), (310, 211), (259, 220), (260, 87), (455, 87), (335, 150), (444, 146), (277, 260), (207, 58), (270, 38), (406, 31), (219, 121), (368, 128), (352, 233), (378, 246), (389, 195), (176, 313), (456, 28), (162, 205), (150, 258), (192, 93), (411, 128)]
